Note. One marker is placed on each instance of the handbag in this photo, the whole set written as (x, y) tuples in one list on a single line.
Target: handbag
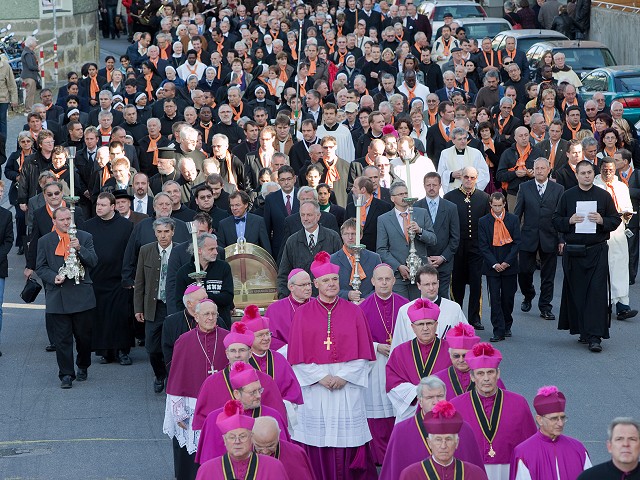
[(575, 250), (30, 291)]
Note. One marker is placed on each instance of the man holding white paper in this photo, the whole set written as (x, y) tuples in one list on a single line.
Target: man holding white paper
[(618, 248), (585, 296)]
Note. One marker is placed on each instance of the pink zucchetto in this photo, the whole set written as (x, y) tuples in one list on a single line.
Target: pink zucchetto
[(232, 417), (483, 355)]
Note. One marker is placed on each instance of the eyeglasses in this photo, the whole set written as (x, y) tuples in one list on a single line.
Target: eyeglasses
[(557, 419), (302, 285), (254, 393), (243, 437), (507, 63), (439, 441), (458, 355), (590, 109), (263, 335)]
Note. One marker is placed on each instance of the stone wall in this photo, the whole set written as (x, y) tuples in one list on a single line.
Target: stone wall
[(78, 33), (615, 28)]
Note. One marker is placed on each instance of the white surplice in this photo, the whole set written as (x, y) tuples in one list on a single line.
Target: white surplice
[(451, 162), (376, 399), (417, 170), (181, 409), (346, 150)]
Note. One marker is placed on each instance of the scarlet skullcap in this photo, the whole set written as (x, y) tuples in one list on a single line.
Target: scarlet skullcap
[(239, 334), (232, 417), (443, 419), (253, 320), (423, 309), (549, 400), (483, 355), (242, 374), (462, 336), (322, 265)]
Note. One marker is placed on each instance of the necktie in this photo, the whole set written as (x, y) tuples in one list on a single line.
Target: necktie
[(405, 222), (162, 294), (446, 130), (540, 190), (92, 156), (433, 209), (139, 206), (312, 242), (288, 205)]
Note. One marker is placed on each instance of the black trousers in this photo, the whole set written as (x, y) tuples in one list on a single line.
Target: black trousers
[(548, 263), (633, 243), (502, 292), (184, 465), (153, 341), (467, 270), (70, 326), (445, 283)]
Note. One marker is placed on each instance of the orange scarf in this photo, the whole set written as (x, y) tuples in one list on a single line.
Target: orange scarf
[(94, 89), (332, 173), (312, 67), (50, 212), (62, 250), (574, 131), (237, 114), (220, 47), (149, 87), (153, 147), (548, 118), (332, 47), (486, 60), (163, 54), (400, 37), (369, 160), (447, 46), (592, 124), (205, 137), (352, 261), (272, 89), (411, 91), (109, 72), (21, 161), (565, 104), (536, 137), (504, 123), (433, 117), (294, 51), (489, 145), (501, 235), (106, 175), (341, 57), (417, 47), (609, 153), (192, 71), (443, 132), (521, 163), (612, 192), (232, 178), (552, 153), (624, 179)]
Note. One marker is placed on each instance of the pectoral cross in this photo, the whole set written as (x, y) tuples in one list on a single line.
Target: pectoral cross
[(328, 342), (211, 371), (492, 452)]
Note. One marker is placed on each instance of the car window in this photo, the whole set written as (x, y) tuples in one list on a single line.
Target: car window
[(524, 44), (627, 83), (534, 57), (496, 43), (458, 11), (595, 82), (588, 58), (485, 29)]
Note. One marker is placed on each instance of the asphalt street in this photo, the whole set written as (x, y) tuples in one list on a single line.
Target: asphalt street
[(110, 427)]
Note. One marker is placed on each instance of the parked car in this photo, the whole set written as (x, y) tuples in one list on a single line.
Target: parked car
[(621, 83), (460, 9), (485, 26), (525, 38), (581, 56)]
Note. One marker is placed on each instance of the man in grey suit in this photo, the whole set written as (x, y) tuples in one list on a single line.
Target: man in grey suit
[(345, 260), (69, 304), (393, 238), (535, 204), (446, 224), (302, 247), (150, 294)]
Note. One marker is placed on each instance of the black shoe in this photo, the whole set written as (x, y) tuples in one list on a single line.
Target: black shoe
[(625, 314), (477, 326), (595, 347), (583, 341), (0, 354), (158, 385), (507, 333), (547, 315), (66, 382), (105, 360), (81, 375), (526, 305), (21, 250), (496, 339), (632, 282), (125, 359), (50, 348)]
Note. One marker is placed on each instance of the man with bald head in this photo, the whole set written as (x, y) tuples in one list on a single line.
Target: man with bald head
[(266, 441), (516, 165), (381, 310)]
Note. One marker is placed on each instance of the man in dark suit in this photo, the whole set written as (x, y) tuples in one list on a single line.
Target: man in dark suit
[(374, 150), (438, 134), (123, 207), (280, 205), (370, 16), (446, 224), (535, 205), (631, 177), (150, 294), (105, 98), (446, 93), (345, 259), (301, 247), (416, 22), (242, 224), (381, 193), (371, 210), (6, 227), (393, 239), (69, 304), (555, 148), (299, 153), (499, 241)]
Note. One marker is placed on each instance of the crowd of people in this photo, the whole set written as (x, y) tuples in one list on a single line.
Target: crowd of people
[(304, 129)]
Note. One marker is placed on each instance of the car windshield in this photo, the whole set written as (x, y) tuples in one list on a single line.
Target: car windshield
[(585, 59), (485, 29), (628, 83), (525, 43), (458, 11)]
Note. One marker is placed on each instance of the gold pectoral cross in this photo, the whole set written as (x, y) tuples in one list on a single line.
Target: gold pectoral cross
[(492, 452), (328, 342)]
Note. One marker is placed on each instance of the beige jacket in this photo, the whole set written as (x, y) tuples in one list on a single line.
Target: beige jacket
[(8, 88)]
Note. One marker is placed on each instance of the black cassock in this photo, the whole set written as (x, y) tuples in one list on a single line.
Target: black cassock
[(113, 323), (584, 308)]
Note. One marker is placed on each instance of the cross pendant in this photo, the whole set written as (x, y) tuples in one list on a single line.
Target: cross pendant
[(466, 200), (211, 371), (328, 342)]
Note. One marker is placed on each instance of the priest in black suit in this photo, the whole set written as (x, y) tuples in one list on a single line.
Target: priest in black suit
[(372, 209)]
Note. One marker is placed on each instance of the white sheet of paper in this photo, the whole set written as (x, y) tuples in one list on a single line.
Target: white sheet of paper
[(583, 209)]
